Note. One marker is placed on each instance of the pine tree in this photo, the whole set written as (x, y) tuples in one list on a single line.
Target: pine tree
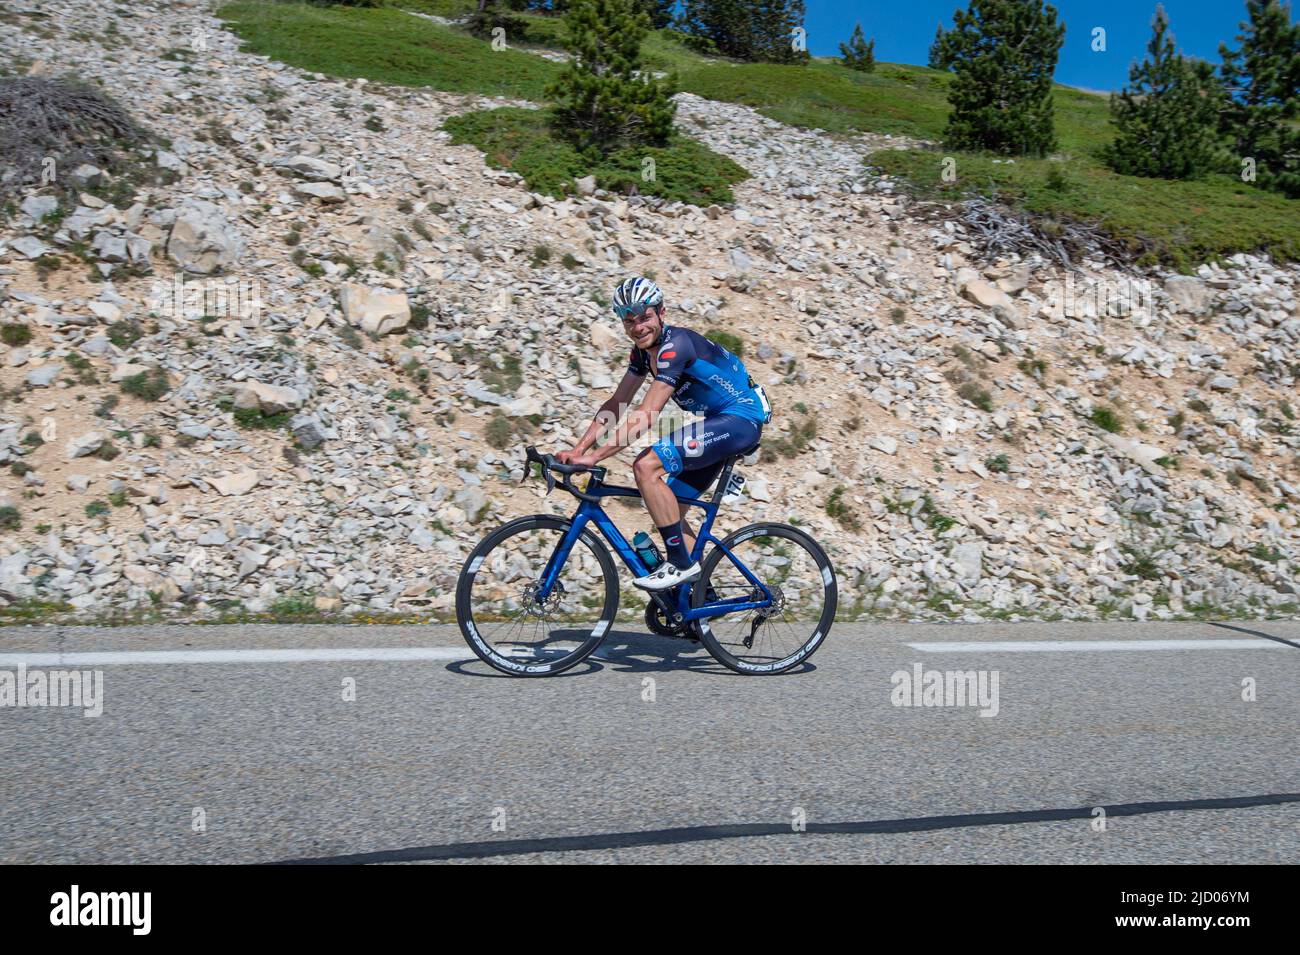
[(1003, 53), (660, 12), (1262, 77), (491, 14), (938, 57), (777, 21), (602, 101), (1165, 118), (858, 54), (756, 30)]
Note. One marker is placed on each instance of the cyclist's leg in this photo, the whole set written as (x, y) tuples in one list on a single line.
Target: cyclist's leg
[(691, 458)]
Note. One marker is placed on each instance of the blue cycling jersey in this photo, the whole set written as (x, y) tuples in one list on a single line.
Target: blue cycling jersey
[(706, 378)]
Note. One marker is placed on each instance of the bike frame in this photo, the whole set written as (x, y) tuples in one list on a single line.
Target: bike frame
[(590, 512)]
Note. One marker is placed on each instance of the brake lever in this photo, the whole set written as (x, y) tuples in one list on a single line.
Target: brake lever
[(534, 457)]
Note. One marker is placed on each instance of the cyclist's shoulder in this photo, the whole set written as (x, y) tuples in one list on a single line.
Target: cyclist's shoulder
[(685, 340)]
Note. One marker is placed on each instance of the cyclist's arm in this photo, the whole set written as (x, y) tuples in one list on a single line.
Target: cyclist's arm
[(610, 411), (637, 422)]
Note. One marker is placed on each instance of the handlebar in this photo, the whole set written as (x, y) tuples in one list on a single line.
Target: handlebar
[(566, 471)]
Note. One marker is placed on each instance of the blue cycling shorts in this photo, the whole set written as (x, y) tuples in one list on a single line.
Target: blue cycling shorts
[(693, 455)]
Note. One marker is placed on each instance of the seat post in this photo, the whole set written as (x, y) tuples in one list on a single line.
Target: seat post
[(724, 478)]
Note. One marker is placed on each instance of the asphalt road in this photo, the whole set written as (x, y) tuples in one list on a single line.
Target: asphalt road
[(444, 760)]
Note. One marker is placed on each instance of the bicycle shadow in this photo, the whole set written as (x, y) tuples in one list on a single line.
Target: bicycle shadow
[(632, 651), (637, 651)]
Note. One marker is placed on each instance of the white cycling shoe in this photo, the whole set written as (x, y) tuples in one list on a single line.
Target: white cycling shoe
[(668, 575)]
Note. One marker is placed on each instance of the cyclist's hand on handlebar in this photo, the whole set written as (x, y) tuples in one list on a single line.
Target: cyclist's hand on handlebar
[(581, 460)]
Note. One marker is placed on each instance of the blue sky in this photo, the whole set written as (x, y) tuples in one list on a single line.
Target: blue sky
[(904, 30)]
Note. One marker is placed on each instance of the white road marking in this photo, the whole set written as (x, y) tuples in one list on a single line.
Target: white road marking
[(1068, 646), (77, 658)]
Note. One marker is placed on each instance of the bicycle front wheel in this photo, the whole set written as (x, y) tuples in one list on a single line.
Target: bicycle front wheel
[(502, 614), (799, 575)]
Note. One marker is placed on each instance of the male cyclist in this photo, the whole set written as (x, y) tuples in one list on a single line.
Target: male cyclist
[(701, 377)]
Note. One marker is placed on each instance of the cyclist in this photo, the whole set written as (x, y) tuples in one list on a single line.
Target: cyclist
[(701, 377)]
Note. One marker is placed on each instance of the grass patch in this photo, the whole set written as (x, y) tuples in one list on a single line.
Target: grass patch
[(522, 141), (386, 45), (896, 98), (1178, 223)]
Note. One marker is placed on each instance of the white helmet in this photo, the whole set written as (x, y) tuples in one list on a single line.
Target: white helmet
[(635, 295)]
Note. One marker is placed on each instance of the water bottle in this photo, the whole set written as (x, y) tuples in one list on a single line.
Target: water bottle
[(646, 550)]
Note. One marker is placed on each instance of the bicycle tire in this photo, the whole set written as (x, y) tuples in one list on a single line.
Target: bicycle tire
[(470, 629), (822, 626)]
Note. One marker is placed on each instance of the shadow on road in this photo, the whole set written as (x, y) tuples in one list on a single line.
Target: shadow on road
[(629, 651), (685, 834)]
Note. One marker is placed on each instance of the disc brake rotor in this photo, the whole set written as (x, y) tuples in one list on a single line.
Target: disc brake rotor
[(542, 608)]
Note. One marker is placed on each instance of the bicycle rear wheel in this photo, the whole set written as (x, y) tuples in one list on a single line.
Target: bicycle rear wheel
[(796, 570), (496, 598)]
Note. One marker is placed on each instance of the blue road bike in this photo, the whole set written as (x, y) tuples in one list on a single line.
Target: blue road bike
[(539, 594)]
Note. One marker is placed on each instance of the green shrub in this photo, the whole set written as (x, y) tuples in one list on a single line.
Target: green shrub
[(1107, 419), (96, 508), (254, 418), (837, 508), (149, 385), (998, 464), (727, 340), (125, 333), (1033, 367), (15, 335), (506, 379), (976, 395), (10, 519), (501, 431), (350, 336)]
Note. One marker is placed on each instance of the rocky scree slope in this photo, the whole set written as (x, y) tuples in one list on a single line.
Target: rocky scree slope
[(969, 438)]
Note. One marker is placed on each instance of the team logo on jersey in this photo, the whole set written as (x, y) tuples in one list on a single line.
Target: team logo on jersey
[(665, 355), (693, 448)]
